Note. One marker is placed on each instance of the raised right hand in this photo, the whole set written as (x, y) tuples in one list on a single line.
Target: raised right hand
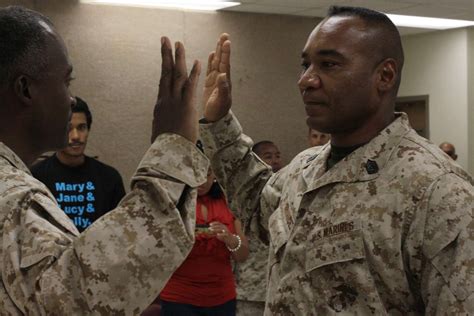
[(217, 97), (175, 110)]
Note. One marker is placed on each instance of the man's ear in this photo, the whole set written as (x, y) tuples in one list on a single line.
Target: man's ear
[(387, 75), (22, 89)]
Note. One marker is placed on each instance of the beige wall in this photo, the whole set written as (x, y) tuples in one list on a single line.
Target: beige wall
[(116, 56), (436, 65), (470, 84)]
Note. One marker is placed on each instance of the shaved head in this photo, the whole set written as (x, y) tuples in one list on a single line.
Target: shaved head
[(23, 39), (449, 149), (383, 39)]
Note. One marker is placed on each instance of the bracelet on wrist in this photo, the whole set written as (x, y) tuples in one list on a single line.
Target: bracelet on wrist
[(239, 240)]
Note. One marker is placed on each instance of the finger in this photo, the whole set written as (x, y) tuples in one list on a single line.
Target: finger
[(214, 226), (217, 53), (223, 37), (167, 66), (209, 63), (224, 64), (180, 71), (189, 90), (217, 56)]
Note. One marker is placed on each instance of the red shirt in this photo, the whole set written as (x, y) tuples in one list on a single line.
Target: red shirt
[(205, 278)]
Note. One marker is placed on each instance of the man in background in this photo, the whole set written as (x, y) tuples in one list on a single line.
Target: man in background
[(449, 149), (269, 153), (84, 187), (316, 138)]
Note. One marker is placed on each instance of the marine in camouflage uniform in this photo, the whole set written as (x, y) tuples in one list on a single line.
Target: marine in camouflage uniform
[(385, 230), (121, 262), (118, 265)]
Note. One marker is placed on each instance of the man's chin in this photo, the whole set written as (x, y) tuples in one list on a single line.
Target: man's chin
[(72, 152), (320, 125)]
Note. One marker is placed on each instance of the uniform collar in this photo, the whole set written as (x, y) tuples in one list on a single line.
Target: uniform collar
[(7, 154), (363, 164)]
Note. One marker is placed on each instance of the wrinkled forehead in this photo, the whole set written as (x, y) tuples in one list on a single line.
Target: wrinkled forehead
[(338, 33)]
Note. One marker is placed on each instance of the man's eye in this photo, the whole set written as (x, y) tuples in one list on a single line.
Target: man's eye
[(328, 64), (69, 80), (304, 66)]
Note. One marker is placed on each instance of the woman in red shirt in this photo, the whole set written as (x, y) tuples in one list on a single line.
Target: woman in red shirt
[(204, 284)]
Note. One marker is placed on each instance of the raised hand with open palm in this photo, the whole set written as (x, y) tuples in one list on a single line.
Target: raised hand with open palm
[(217, 97)]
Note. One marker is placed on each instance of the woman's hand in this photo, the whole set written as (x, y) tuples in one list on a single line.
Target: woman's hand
[(223, 234)]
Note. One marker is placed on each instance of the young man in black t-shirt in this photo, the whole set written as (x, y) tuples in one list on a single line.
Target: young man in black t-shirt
[(84, 187)]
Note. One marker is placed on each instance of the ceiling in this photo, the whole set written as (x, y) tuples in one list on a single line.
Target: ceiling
[(452, 9)]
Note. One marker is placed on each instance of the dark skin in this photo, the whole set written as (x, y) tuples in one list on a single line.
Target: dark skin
[(449, 149), (347, 91), (348, 83), (35, 109), (175, 110)]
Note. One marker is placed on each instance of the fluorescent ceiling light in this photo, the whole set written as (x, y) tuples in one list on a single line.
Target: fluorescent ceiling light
[(206, 5), (428, 23)]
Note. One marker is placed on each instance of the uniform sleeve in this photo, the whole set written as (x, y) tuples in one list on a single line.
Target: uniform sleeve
[(121, 263), (239, 171), (447, 280)]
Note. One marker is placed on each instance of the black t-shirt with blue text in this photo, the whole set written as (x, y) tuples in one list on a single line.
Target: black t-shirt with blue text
[(85, 192)]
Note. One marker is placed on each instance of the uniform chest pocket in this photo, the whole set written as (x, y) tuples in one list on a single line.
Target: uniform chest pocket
[(338, 273), (344, 247)]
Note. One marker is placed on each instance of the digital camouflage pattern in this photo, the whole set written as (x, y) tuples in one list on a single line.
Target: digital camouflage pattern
[(250, 275), (386, 231), (250, 308), (120, 263)]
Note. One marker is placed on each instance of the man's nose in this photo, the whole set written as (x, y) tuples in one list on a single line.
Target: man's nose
[(73, 133), (309, 79)]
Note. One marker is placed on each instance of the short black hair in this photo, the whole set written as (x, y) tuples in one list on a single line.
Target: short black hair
[(215, 192), (82, 107), (22, 43), (390, 43), (363, 13), (256, 146)]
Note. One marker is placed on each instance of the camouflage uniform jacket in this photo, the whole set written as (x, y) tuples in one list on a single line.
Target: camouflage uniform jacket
[(120, 263), (388, 230), (250, 275)]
